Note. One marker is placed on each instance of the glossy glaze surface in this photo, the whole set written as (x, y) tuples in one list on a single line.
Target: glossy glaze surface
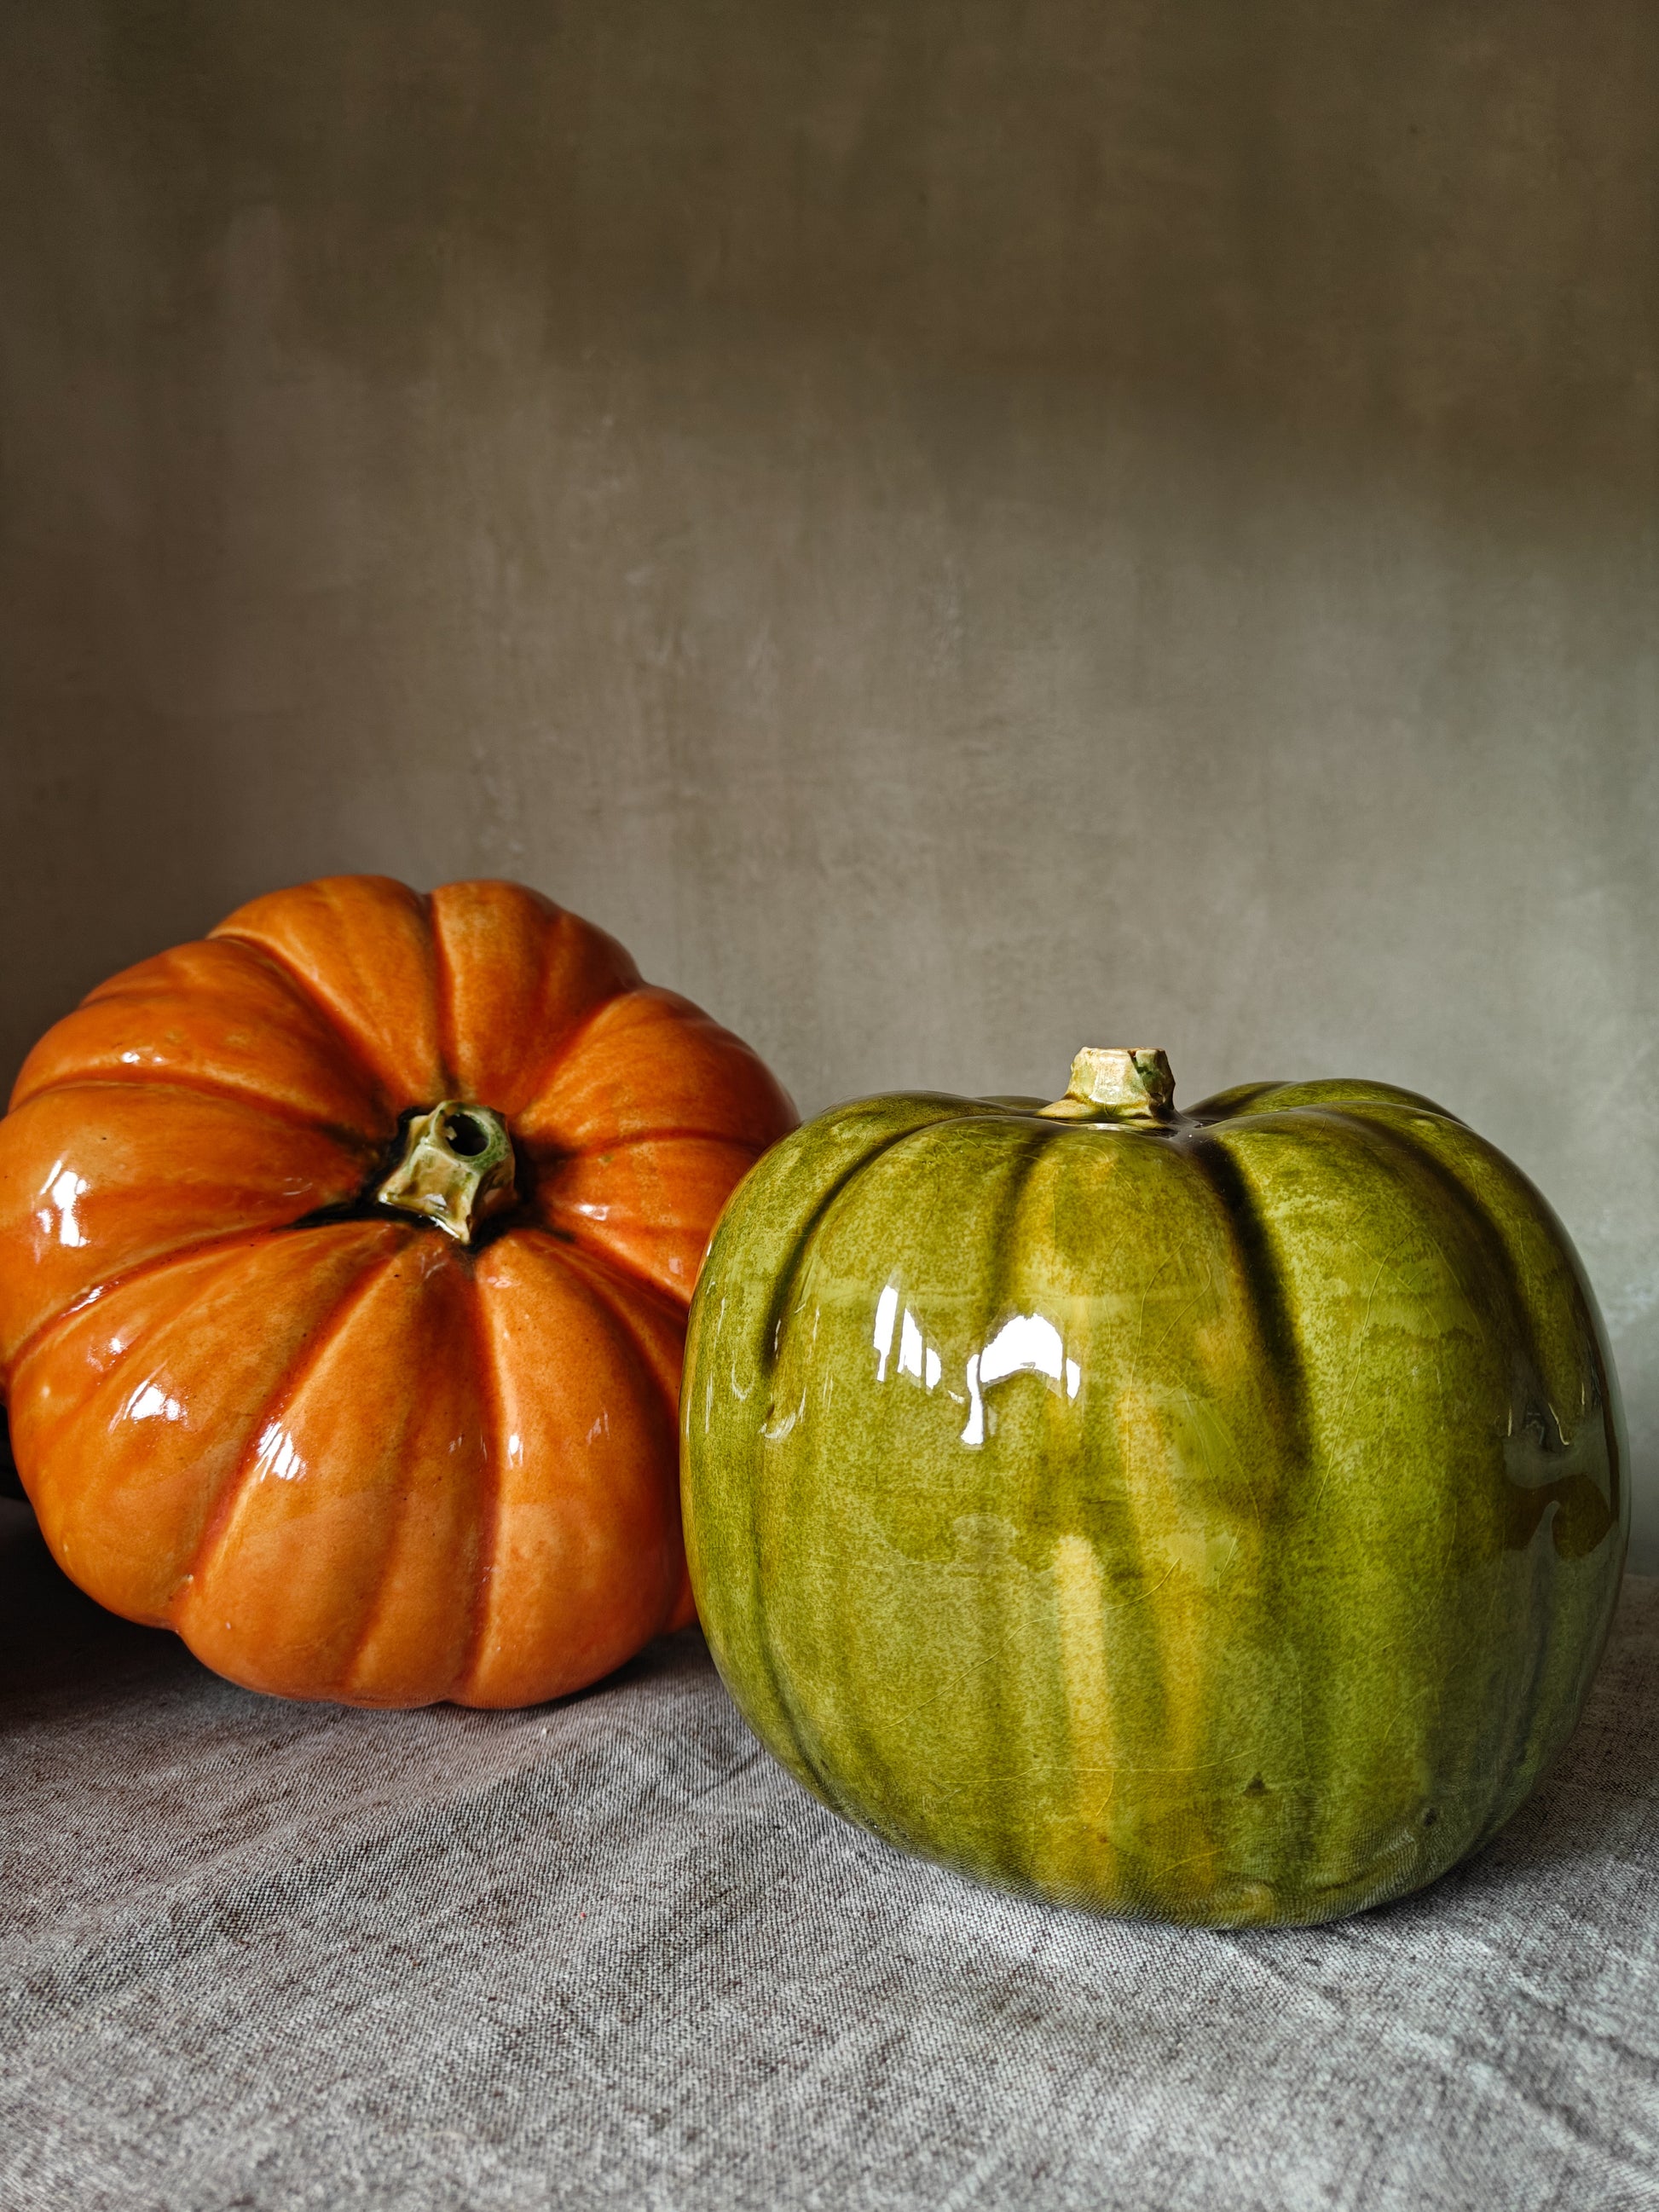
[(345, 1451), (1215, 1516)]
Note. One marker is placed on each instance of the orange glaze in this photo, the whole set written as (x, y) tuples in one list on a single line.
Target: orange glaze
[(349, 1457)]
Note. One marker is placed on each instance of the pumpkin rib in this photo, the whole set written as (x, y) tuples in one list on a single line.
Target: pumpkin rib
[(1393, 1144), (349, 1578), (591, 1198), (808, 1229), (804, 1736), (373, 1610), (274, 1109), (370, 1621), (362, 947), (488, 1489), (295, 979), (352, 1046), (639, 1064), (225, 1503), (763, 1344), (590, 1272), (1229, 1141), (254, 1170), (1607, 1384), (584, 1260), (1327, 1095), (1001, 1697), (39, 1335), (1580, 1504), (592, 1557), (213, 1012), (1487, 1280), (1390, 1146), (122, 1507), (443, 996), (1258, 1265), (570, 1041), (563, 944), (791, 1488), (602, 1147), (578, 1262)]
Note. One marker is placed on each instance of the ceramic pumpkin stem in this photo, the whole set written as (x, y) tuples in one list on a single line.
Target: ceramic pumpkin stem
[(1117, 1083), (456, 1169)]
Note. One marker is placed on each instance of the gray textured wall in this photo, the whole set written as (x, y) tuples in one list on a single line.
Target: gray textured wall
[(955, 528)]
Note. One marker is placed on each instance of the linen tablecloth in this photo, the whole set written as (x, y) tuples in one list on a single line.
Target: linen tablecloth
[(605, 1954)]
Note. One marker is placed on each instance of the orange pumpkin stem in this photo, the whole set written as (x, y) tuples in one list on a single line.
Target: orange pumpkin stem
[(456, 1169)]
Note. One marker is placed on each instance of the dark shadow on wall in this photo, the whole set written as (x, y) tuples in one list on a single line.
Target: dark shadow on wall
[(58, 1648), (11, 1485)]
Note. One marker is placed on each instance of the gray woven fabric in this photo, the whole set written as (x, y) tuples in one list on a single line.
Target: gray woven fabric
[(264, 1955)]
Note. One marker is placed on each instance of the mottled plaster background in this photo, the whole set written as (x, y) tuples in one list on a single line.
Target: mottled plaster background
[(956, 529)]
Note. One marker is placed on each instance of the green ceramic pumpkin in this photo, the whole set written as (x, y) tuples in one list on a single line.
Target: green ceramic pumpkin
[(1213, 1516)]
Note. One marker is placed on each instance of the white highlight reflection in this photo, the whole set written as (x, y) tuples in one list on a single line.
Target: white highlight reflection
[(63, 1187), (916, 1355), (152, 1403), (1027, 1344), (910, 1346), (886, 1314), (279, 1454)]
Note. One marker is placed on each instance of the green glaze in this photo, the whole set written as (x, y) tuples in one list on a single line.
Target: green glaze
[(1215, 1516)]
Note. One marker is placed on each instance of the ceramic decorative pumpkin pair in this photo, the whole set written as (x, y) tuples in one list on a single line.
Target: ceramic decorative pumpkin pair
[(1215, 1516)]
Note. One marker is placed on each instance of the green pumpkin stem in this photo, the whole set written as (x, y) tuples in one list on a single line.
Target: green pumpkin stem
[(1117, 1083), (456, 1169)]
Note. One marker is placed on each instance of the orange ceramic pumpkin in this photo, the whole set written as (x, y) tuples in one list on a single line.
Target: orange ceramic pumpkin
[(344, 1258)]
